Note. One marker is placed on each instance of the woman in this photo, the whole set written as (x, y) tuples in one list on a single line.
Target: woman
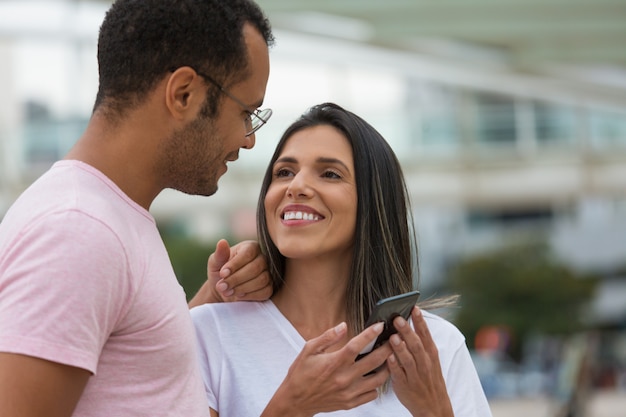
[(334, 222)]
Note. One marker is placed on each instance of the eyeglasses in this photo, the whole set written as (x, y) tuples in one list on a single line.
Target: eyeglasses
[(255, 120)]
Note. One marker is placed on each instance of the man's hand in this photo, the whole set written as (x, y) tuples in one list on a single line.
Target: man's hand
[(237, 273), (322, 380)]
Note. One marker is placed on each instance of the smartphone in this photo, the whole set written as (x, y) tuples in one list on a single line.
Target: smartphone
[(386, 310)]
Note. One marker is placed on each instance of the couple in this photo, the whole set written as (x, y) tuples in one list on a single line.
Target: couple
[(334, 222), (92, 319)]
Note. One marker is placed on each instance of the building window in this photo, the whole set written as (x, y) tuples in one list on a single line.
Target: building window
[(608, 129), (554, 123), (494, 121)]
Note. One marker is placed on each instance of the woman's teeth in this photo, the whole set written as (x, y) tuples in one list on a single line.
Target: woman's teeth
[(299, 215)]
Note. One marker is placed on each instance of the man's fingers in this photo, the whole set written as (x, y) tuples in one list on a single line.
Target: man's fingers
[(242, 272), (244, 275), (243, 254), (252, 293), (219, 257)]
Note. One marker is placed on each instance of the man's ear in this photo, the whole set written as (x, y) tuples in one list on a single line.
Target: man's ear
[(184, 92)]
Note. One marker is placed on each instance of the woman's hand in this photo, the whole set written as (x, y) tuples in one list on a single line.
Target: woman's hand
[(321, 381), (415, 369)]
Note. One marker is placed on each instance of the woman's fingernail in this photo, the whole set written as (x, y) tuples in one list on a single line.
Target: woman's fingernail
[(225, 272), (222, 286), (378, 327), (340, 328), (395, 339), (400, 322)]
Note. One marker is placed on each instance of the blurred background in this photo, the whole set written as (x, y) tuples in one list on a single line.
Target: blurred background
[(509, 117)]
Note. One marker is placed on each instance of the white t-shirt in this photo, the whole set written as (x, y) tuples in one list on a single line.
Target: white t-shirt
[(246, 349), (86, 281)]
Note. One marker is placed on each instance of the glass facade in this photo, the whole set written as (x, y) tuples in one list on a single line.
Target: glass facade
[(608, 129)]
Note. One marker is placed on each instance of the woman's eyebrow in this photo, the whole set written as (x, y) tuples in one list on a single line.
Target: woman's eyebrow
[(288, 159), (322, 160), (327, 160)]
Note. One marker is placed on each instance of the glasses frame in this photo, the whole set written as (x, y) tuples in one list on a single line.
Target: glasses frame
[(257, 118)]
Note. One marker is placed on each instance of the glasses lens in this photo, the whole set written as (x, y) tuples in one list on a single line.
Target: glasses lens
[(259, 118)]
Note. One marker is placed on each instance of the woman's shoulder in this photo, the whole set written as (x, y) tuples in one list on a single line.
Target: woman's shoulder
[(224, 311), (443, 332)]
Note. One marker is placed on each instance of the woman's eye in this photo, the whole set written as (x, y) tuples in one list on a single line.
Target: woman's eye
[(282, 172), (331, 174)]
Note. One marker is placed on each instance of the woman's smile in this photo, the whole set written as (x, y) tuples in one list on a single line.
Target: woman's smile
[(313, 184)]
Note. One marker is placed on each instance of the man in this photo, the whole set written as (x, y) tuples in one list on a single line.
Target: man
[(92, 319)]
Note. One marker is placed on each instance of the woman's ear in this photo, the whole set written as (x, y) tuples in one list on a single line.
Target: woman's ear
[(184, 92)]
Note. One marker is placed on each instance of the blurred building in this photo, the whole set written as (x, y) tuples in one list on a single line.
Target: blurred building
[(491, 153)]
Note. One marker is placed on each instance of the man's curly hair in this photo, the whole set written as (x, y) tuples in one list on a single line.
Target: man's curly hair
[(141, 40)]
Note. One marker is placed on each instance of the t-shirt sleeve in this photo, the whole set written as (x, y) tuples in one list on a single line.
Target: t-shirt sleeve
[(209, 351), (464, 388), (64, 286)]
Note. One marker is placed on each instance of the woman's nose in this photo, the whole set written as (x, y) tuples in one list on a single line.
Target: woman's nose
[(299, 186)]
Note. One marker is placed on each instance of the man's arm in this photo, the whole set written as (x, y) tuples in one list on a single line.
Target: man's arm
[(237, 273), (33, 387)]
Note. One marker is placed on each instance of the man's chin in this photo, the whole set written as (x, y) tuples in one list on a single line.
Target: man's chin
[(207, 193), (204, 192)]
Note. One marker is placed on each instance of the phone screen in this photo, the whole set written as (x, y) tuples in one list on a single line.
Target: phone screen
[(386, 310)]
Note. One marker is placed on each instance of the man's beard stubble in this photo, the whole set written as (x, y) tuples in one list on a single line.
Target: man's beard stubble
[(192, 157)]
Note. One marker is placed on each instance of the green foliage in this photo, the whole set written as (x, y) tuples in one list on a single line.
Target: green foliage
[(521, 288), (189, 259)]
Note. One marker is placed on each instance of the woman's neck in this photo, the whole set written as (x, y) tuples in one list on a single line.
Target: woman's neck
[(313, 297)]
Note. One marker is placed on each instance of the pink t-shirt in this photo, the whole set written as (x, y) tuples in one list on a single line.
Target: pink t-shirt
[(85, 280)]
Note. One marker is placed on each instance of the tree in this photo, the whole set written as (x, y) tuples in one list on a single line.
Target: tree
[(521, 288), (189, 259)]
